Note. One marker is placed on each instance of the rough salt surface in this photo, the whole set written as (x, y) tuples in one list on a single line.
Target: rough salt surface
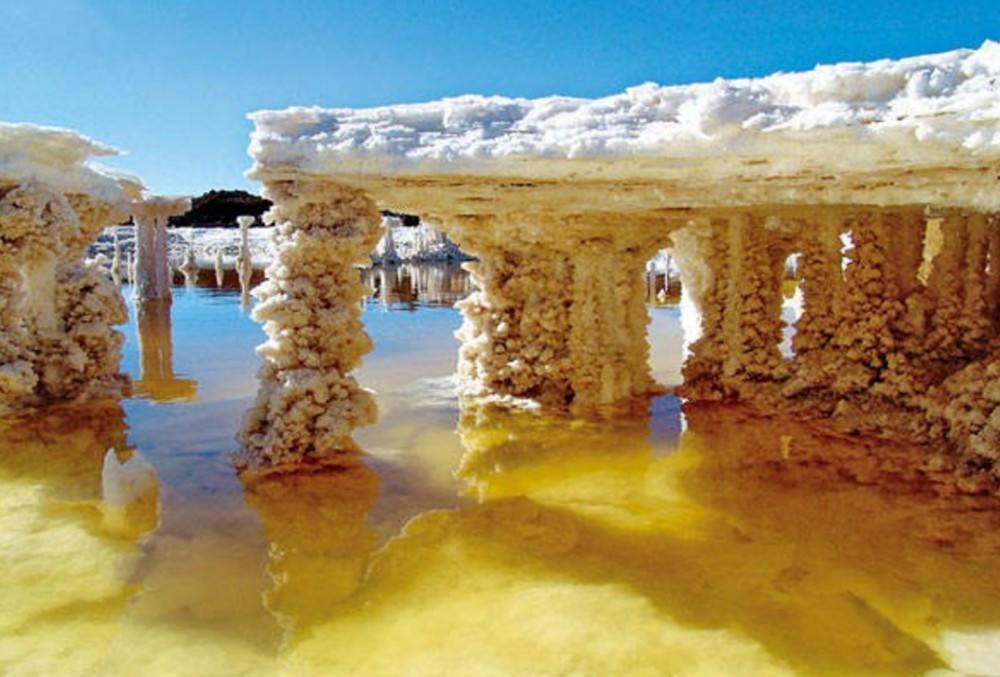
[(947, 102), (56, 312), (60, 159)]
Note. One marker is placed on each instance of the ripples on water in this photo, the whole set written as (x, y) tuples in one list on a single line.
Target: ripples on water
[(470, 542)]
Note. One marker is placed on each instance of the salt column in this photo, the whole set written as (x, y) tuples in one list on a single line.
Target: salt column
[(152, 268), (220, 274), (190, 268), (244, 264), (116, 262)]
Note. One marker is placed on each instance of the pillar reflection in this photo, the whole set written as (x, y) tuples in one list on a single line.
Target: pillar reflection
[(157, 380), (428, 284), (316, 519)]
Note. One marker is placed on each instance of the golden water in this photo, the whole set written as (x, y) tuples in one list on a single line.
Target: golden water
[(474, 542)]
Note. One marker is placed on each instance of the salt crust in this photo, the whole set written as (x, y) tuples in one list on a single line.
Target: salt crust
[(56, 312), (919, 112)]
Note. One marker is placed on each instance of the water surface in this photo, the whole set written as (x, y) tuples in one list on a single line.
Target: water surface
[(467, 541)]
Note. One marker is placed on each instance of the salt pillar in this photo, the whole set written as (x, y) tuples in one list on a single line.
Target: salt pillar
[(244, 262), (190, 268), (385, 251), (734, 268), (220, 273), (871, 308), (56, 312), (562, 323), (821, 282), (752, 325), (701, 250), (308, 403), (993, 271), (116, 262), (152, 266)]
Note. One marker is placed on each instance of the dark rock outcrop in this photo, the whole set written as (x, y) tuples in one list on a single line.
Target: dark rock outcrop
[(219, 208)]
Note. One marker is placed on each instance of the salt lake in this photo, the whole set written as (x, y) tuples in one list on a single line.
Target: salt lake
[(696, 540)]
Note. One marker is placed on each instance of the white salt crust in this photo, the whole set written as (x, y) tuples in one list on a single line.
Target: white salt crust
[(56, 311), (916, 113)]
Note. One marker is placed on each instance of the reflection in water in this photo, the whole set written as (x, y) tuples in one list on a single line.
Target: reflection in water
[(156, 378), (130, 493), (410, 284), (317, 522), (758, 543), (66, 554), (663, 289), (742, 545)]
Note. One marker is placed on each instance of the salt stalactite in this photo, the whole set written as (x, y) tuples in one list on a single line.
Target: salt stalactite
[(562, 325), (945, 290), (157, 380), (189, 268), (116, 262), (244, 262), (308, 403), (152, 266), (220, 273)]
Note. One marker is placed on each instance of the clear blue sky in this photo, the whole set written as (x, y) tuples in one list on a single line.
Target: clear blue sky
[(170, 81)]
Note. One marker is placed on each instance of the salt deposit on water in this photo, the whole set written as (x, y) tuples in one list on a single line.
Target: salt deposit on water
[(946, 101)]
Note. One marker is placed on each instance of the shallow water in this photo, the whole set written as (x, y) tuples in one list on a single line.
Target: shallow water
[(708, 542)]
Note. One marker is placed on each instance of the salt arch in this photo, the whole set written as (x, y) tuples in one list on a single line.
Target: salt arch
[(57, 311), (563, 200)]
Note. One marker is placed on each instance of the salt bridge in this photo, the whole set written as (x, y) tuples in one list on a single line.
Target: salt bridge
[(882, 179)]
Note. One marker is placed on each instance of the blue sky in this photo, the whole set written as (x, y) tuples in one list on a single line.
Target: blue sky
[(170, 81)]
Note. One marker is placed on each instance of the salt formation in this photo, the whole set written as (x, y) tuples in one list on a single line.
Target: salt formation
[(190, 268), (414, 244), (56, 310), (564, 200), (116, 262), (220, 273), (385, 250), (310, 304), (244, 262), (153, 278)]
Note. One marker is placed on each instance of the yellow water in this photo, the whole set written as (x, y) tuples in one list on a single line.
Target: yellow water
[(472, 542)]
